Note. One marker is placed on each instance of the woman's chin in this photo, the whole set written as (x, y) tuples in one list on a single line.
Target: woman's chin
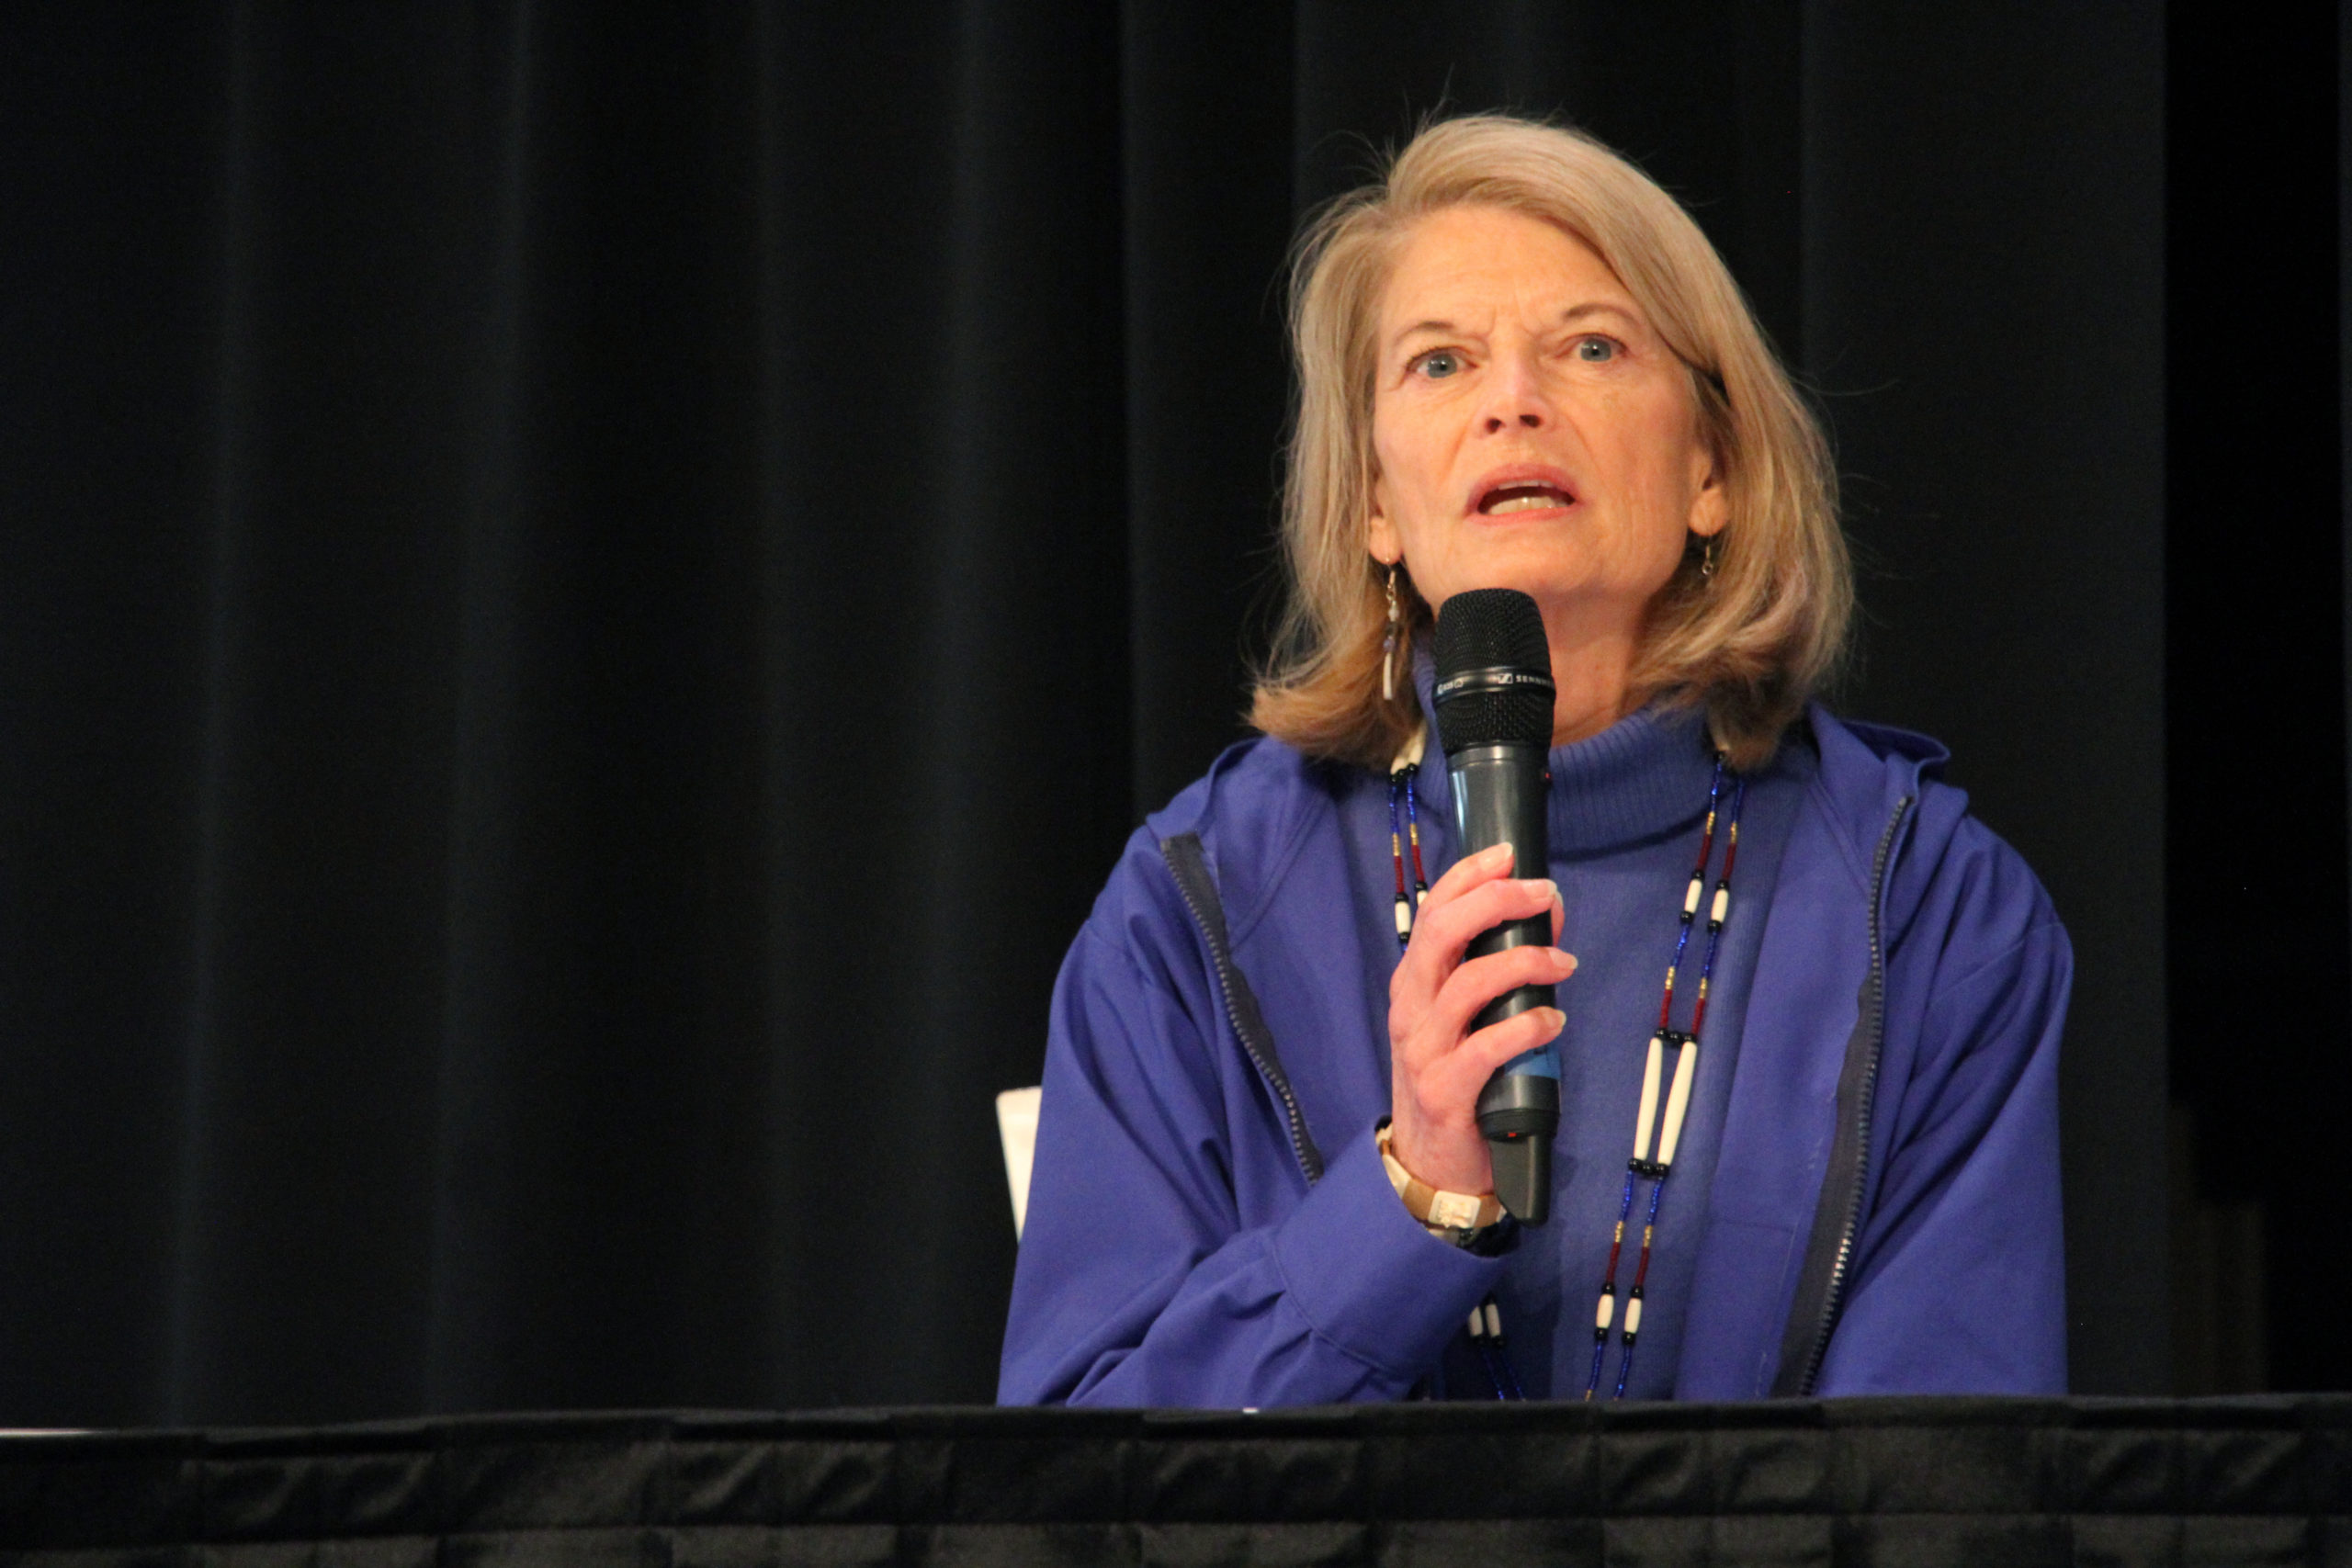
[(1566, 596)]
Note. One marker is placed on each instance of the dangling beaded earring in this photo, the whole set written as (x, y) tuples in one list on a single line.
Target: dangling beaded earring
[(1707, 559), (1388, 643)]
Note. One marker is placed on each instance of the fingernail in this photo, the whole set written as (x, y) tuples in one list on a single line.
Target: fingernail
[(1554, 1019), (1564, 961), (1496, 855), (1544, 888)]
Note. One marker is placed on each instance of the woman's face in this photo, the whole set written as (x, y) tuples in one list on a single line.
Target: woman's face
[(1529, 428)]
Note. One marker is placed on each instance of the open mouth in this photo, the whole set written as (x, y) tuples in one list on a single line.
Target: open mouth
[(1531, 496)]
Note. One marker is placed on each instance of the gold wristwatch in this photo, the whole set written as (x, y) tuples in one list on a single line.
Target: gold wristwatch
[(1455, 1217)]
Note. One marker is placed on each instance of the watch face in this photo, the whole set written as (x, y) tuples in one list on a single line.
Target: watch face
[(1455, 1211)]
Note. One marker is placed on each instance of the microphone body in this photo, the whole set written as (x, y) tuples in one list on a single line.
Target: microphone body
[(1494, 715)]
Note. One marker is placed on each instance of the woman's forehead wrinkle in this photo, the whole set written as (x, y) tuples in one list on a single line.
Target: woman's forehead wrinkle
[(1601, 308), (1535, 301)]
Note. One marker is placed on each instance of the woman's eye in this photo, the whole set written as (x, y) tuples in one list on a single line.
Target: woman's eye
[(1596, 350), (1437, 364)]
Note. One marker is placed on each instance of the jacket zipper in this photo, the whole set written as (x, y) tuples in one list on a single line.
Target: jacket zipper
[(1865, 1104), (1186, 863)]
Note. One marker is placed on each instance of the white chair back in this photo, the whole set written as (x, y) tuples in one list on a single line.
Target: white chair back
[(1016, 1125)]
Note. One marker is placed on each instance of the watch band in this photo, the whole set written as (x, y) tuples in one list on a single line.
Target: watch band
[(1457, 1217)]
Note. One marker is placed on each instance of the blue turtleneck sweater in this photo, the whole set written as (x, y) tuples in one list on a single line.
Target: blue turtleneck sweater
[(1627, 812)]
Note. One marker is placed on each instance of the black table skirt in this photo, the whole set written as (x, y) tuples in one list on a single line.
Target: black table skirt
[(1896, 1481)]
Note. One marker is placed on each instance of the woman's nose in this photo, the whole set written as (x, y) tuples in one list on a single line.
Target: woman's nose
[(1515, 398)]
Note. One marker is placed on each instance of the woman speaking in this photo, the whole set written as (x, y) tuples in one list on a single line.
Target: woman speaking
[(1807, 1010)]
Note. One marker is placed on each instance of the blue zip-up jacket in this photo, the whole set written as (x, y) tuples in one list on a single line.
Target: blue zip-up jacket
[(1209, 1224)]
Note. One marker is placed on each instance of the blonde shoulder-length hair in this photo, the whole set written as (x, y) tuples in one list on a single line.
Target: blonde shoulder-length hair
[(1751, 641)]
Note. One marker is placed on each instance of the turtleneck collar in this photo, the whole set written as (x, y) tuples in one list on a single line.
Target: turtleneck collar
[(1646, 775)]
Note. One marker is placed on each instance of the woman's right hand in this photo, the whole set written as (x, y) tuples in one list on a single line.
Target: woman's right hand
[(1437, 1066)]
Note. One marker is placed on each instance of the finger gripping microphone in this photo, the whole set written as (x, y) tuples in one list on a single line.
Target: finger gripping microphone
[(1494, 716)]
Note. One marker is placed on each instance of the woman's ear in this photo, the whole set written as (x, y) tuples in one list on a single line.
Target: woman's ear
[(1380, 531), (1380, 537), (1709, 505)]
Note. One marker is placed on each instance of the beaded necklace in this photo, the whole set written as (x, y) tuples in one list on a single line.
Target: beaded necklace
[(1678, 1100), (1486, 1323), (1406, 830)]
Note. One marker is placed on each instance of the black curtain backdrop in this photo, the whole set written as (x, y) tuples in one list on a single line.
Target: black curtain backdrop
[(2261, 947), (588, 593)]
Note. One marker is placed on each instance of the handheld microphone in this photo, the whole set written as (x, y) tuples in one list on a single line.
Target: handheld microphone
[(1494, 716)]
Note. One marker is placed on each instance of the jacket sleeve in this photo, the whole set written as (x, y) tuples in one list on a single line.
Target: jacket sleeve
[(1959, 1281), (1138, 1281)]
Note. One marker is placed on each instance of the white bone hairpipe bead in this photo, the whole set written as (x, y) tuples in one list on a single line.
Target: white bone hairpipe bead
[(1677, 1101), (1649, 1114)]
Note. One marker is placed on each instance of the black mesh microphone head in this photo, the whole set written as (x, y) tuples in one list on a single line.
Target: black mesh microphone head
[(1494, 670)]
